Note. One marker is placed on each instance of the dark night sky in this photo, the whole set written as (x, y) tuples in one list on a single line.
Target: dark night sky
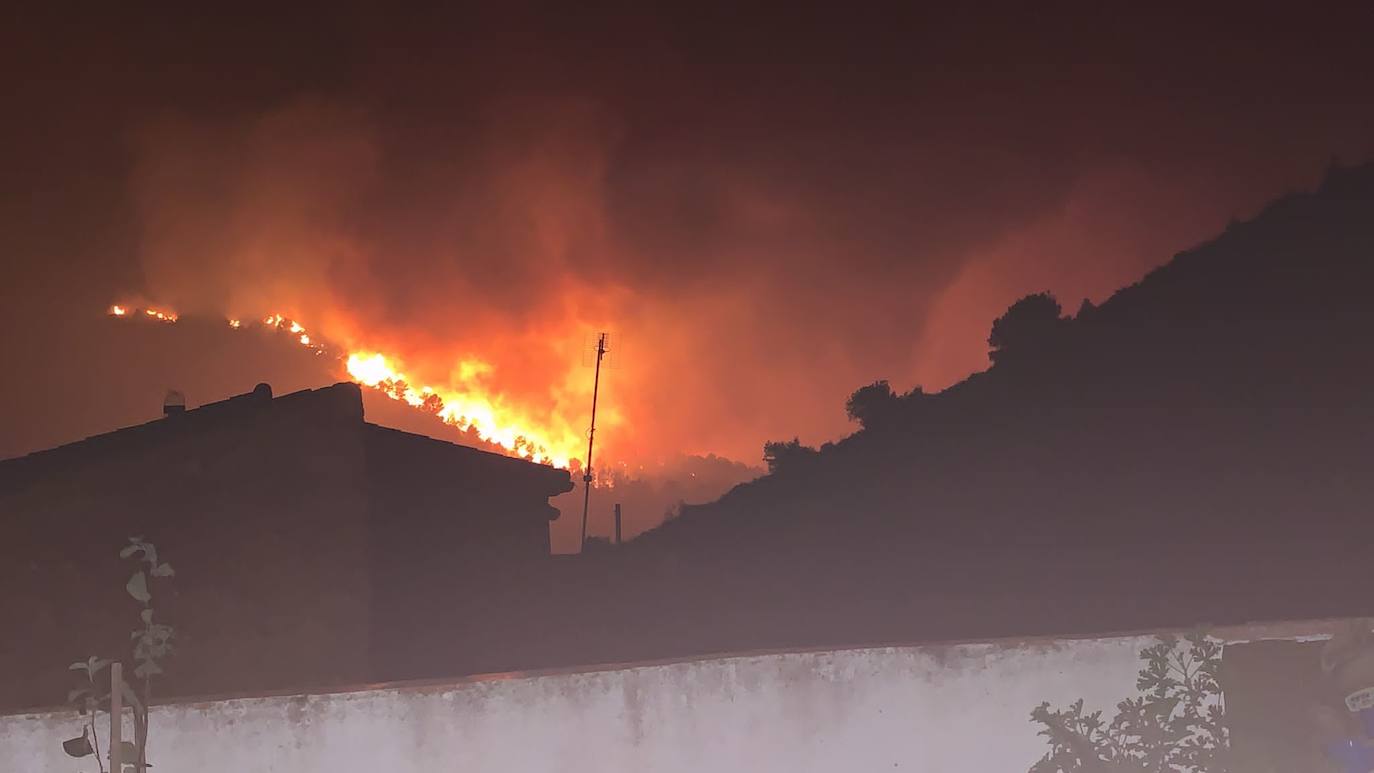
[(775, 206)]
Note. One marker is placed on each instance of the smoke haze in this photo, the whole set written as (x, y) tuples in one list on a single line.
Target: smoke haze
[(771, 211)]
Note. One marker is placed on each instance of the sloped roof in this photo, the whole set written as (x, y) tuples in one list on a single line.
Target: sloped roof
[(342, 400), (557, 481)]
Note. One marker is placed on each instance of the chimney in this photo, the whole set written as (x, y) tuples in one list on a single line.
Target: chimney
[(174, 403)]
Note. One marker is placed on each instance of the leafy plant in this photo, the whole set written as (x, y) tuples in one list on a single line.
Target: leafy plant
[(152, 641), (1177, 725), (87, 699), (152, 645)]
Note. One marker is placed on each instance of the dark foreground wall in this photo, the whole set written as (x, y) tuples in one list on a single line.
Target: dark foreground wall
[(311, 548), (455, 533), (255, 503)]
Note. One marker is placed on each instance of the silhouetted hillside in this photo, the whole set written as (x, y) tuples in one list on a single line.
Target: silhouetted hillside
[(1226, 393), (1194, 450)]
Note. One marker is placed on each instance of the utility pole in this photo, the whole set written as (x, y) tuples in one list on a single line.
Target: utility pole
[(617, 523), (591, 438), (116, 717)]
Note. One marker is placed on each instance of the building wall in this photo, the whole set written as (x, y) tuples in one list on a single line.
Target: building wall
[(263, 518), (959, 707), (457, 534), (312, 549)]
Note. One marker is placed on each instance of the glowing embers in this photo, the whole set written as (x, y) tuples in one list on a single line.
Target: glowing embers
[(161, 315)]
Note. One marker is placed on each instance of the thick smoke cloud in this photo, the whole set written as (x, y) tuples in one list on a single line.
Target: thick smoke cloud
[(771, 211)]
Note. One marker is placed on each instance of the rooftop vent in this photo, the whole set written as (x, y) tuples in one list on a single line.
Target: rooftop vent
[(174, 403)]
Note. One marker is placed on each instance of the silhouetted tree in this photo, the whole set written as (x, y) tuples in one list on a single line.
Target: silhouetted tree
[(786, 454), (871, 405), (1026, 326)]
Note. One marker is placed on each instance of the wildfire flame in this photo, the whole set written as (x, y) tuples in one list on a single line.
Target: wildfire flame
[(466, 411), (469, 409), (158, 314)]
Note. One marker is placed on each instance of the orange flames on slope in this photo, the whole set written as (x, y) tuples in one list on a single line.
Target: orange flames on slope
[(157, 314), (469, 409), (466, 410)]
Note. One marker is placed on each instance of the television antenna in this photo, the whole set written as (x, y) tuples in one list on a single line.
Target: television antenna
[(602, 351)]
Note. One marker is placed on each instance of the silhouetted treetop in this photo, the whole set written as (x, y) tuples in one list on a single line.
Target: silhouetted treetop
[(786, 454), (871, 404), (1026, 326), (877, 405)]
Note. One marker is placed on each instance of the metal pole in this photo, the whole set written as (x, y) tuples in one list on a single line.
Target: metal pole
[(617, 523), (591, 438), (116, 716)]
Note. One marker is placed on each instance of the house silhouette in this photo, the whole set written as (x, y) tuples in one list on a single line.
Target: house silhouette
[(309, 544)]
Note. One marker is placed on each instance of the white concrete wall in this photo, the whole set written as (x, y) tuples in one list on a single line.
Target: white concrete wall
[(929, 708)]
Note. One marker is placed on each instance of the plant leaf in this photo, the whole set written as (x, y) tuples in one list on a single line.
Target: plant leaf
[(163, 570), (138, 588), (78, 747), (146, 669), (78, 666), (147, 616)]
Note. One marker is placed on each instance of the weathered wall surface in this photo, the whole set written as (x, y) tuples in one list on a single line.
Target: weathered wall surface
[(929, 708)]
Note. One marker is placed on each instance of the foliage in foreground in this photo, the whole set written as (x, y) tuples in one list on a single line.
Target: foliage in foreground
[(1176, 725), (152, 644)]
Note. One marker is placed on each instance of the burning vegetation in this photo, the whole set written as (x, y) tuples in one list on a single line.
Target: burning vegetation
[(465, 405)]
